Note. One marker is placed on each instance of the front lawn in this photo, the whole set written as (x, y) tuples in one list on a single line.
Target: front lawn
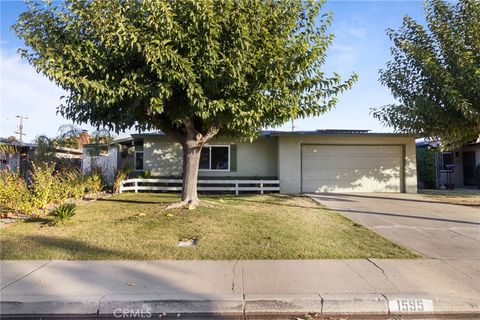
[(469, 197), (134, 226)]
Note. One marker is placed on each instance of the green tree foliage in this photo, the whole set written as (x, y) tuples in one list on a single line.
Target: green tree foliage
[(45, 149), (435, 74), (68, 136), (193, 69), (101, 136)]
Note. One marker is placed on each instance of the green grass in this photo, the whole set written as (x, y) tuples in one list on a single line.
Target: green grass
[(134, 226)]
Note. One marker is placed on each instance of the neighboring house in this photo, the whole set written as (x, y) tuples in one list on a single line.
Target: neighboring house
[(68, 153), (16, 160), (109, 157), (24, 152), (303, 161), (455, 167)]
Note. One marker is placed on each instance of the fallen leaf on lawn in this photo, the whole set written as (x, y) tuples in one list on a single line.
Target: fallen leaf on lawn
[(221, 201), (141, 214), (169, 215)]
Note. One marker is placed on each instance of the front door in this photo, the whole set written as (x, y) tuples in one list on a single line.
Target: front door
[(469, 168)]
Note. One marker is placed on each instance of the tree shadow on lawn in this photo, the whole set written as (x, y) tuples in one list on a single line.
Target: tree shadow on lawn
[(41, 220), (279, 200), (75, 249), (135, 201), (282, 199)]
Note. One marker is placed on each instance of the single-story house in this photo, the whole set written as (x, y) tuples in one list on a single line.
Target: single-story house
[(454, 167), (303, 161), (17, 156), (20, 153)]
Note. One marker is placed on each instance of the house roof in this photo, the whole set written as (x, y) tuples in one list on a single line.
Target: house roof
[(436, 143), (341, 132), (274, 133), (17, 143)]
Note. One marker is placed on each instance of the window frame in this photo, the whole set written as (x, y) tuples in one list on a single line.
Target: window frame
[(209, 146), (442, 168), (135, 161)]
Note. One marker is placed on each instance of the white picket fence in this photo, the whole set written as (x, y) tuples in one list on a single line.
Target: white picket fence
[(236, 186)]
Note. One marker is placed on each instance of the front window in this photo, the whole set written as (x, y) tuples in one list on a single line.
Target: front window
[(447, 160), (215, 158), (139, 161)]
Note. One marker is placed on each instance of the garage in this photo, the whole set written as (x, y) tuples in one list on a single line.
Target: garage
[(352, 168)]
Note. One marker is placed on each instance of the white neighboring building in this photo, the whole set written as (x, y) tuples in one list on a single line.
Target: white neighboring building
[(105, 160)]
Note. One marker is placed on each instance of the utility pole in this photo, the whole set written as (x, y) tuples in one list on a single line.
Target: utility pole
[(293, 125), (20, 128)]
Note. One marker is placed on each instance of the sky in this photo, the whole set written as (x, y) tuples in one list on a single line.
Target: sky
[(360, 46)]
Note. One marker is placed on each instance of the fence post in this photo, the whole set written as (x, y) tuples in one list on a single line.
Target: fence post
[(261, 186), (136, 186), (236, 187)]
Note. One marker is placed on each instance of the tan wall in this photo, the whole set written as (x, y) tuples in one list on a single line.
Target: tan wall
[(163, 157), (289, 157)]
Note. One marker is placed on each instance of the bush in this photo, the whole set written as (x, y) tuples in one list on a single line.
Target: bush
[(44, 184), (14, 194), (146, 174), (73, 182), (63, 213), (426, 167), (122, 174), (94, 182)]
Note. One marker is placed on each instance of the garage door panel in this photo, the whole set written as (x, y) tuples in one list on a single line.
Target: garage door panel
[(351, 150), (353, 163), (347, 175), (352, 168)]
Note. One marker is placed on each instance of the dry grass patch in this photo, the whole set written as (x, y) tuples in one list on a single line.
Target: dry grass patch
[(468, 197)]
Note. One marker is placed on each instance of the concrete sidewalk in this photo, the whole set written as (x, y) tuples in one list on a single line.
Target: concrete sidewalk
[(240, 289)]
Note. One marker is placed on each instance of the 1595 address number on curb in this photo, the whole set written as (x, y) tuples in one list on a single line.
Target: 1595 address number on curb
[(410, 305)]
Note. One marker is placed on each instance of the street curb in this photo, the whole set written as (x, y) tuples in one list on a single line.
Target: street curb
[(172, 303), (12, 305), (235, 305)]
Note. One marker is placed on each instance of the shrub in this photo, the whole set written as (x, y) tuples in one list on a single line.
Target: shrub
[(122, 174), (94, 182), (146, 174), (63, 213), (44, 184), (426, 167), (73, 182), (14, 194)]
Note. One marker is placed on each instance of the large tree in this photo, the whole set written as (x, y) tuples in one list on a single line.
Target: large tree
[(193, 69), (435, 74)]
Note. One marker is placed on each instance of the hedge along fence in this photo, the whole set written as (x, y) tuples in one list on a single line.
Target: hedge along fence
[(426, 167), (46, 187)]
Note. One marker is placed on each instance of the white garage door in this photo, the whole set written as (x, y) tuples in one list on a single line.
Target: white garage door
[(352, 168)]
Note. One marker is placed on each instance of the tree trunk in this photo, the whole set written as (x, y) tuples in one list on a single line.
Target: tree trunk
[(192, 142), (191, 159)]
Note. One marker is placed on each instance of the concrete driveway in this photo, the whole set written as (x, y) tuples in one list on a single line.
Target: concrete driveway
[(429, 227)]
